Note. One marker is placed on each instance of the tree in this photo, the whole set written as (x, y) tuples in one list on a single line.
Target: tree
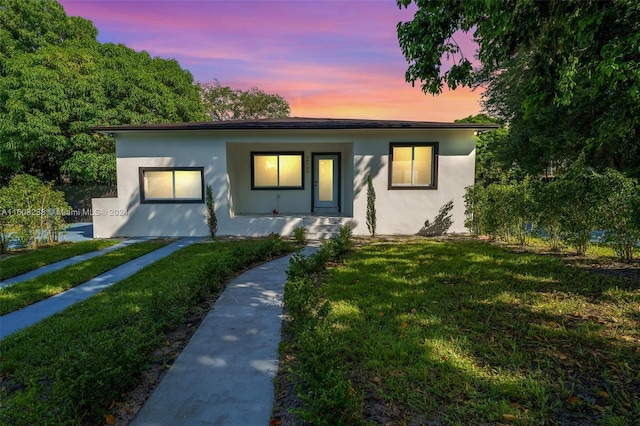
[(225, 103), (57, 82), (490, 162), (564, 75)]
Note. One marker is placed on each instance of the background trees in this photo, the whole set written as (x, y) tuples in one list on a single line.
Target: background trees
[(57, 81), (224, 103), (564, 75)]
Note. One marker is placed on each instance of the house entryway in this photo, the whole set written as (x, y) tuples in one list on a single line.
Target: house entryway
[(326, 183)]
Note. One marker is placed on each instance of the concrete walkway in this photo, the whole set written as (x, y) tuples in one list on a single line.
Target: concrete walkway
[(224, 376), (18, 320), (66, 262)]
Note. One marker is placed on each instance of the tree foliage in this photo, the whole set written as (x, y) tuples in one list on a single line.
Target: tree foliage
[(565, 75), (491, 164), (224, 103), (57, 82)]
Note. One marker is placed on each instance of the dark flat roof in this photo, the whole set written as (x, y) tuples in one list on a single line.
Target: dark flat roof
[(295, 123)]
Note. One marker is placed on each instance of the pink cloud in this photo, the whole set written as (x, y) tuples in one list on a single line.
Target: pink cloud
[(327, 58)]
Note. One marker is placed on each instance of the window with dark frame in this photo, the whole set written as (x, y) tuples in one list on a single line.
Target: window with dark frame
[(277, 170), (171, 184), (413, 165)]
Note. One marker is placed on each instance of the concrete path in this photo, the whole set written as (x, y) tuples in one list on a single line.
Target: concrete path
[(224, 376), (66, 262), (18, 320)]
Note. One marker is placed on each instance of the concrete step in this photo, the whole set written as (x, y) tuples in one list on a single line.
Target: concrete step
[(321, 232)]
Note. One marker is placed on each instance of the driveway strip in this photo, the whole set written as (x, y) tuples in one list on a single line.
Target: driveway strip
[(66, 262), (23, 318)]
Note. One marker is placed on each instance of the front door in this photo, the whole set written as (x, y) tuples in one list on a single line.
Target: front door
[(326, 183)]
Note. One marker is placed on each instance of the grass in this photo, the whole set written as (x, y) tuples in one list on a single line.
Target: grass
[(25, 293), (22, 261), (465, 332), (69, 368)]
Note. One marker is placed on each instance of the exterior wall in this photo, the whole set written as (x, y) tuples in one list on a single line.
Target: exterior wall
[(225, 157), (404, 211)]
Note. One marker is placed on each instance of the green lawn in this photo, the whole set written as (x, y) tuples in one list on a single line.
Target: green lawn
[(69, 368), (19, 262), (19, 295), (465, 332)]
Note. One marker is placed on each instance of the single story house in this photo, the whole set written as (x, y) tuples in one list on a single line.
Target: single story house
[(273, 175)]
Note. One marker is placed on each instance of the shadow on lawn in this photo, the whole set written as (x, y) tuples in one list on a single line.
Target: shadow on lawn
[(464, 332)]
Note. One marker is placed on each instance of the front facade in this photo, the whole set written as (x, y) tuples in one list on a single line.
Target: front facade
[(271, 176)]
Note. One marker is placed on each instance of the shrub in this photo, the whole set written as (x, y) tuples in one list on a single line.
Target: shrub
[(619, 211), (548, 203), (212, 219), (371, 207), (299, 234), (323, 384), (580, 206), (475, 200), (32, 211)]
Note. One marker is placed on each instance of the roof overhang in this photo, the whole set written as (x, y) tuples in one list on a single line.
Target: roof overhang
[(296, 123)]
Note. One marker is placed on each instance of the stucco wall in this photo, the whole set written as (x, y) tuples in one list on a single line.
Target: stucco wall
[(362, 152), (404, 211)]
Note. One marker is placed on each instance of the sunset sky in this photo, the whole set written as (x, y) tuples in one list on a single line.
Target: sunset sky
[(327, 58)]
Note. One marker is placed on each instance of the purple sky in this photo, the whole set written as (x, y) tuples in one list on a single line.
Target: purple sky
[(327, 58)]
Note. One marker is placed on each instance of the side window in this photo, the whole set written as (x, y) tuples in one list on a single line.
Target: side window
[(413, 165), (171, 185)]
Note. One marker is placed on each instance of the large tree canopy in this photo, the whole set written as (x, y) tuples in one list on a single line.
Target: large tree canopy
[(224, 103), (57, 81), (565, 75)]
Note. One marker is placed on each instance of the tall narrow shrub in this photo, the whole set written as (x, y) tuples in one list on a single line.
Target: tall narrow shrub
[(212, 220), (371, 207)]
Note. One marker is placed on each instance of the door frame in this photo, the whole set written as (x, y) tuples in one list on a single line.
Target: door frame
[(339, 177)]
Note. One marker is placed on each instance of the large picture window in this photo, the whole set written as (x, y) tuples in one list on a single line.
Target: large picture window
[(276, 170), (413, 165), (171, 184)]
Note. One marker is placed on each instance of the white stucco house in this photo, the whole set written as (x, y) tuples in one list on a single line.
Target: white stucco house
[(274, 175)]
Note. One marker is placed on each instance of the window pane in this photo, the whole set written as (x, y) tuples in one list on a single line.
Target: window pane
[(188, 184), (325, 178), (158, 184), (265, 170), (422, 157), (401, 167), (290, 170)]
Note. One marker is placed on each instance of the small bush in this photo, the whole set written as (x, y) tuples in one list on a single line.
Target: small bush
[(299, 234)]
